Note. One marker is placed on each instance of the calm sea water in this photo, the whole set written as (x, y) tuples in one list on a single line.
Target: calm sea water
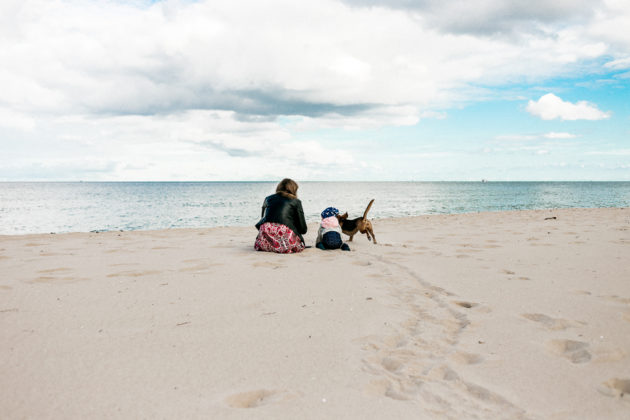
[(80, 207)]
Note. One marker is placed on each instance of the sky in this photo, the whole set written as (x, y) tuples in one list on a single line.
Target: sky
[(332, 90)]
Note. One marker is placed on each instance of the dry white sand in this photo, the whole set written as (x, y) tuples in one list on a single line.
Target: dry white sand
[(490, 315)]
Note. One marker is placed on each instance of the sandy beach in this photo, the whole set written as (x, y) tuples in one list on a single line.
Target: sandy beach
[(511, 315)]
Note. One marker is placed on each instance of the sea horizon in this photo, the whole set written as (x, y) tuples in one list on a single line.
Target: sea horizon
[(302, 181)]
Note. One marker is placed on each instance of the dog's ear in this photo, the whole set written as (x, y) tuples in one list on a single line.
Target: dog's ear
[(342, 216)]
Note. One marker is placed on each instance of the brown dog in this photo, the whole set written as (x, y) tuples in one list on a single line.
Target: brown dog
[(360, 224)]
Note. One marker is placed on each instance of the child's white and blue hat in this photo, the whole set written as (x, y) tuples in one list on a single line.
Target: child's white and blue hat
[(329, 212)]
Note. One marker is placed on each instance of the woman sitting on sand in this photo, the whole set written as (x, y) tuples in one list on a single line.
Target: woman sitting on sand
[(282, 224)]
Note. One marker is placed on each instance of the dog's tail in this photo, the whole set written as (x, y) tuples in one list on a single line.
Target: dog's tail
[(367, 209)]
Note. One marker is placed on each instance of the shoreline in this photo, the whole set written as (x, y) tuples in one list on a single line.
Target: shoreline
[(494, 314)]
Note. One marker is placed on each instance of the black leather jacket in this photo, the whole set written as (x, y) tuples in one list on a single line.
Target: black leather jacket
[(280, 208)]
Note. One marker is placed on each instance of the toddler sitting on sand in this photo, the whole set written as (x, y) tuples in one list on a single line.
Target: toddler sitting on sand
[(329, 234)]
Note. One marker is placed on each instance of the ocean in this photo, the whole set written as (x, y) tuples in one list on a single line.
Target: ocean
[(45, 207)]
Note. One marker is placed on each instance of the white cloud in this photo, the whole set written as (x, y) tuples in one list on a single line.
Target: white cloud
[(610, 25), (619, 64), (516, 137), (433, 114), (114, 57), (555, 135), (618, 152), (490, 16), (16, 120), (194, 145), (370, 119), (550, 107), (533, 137), (193, 89)]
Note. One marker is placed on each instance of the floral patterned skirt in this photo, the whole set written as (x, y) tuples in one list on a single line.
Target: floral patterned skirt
[(275, 237)]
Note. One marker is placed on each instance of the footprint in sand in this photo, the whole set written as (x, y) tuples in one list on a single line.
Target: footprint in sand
[(467, 250), (268, 264), (467, 305), (57, 279), (617, 299), (395, 341), (464, 358), (443, 372), (9, 310), (395, 390), (574, 351), (198, 265), (391, 364), (123, 264), (55, 270), (554, 324), (134, 273), (56, 275), (196, 268), (362, 263), (609, 354), (253, 399), (491, 243), (616, 387)]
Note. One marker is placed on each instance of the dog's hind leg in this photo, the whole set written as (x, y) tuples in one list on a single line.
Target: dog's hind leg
[(372, 232)]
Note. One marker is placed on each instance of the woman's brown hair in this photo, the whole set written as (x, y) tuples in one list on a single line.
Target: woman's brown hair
[(287, 187)]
